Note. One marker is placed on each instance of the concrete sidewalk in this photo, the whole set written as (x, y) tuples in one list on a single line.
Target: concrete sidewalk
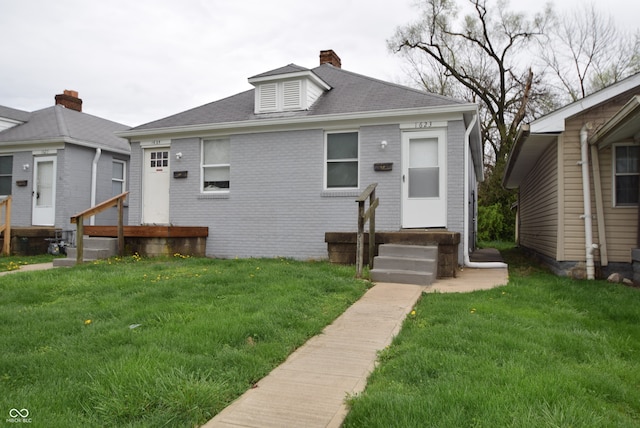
[(310, 387), (27, 268)]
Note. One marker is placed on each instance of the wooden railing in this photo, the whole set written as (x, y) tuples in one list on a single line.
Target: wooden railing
[(78, 219), (363, 216), (6, 226)]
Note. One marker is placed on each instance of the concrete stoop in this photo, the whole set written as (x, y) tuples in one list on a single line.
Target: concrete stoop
[(94, 249), (405, 264)]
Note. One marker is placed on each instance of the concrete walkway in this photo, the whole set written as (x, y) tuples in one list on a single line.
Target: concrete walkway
[(310, 387), (27, 268)]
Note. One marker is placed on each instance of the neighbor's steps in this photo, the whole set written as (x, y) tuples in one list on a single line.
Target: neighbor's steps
[(405, 264), (95, 248)]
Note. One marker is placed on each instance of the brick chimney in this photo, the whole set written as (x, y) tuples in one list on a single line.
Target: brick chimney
[(330, 57), (70, 100)]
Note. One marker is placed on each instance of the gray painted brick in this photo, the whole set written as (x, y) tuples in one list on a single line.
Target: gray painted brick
[(277, 204)]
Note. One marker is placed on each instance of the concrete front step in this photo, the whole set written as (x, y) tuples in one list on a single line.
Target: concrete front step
[(95, 248), (405, 264), (410, 251), (402, 276)]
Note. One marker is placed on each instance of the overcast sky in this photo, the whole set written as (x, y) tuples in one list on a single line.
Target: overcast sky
[(134, 61)]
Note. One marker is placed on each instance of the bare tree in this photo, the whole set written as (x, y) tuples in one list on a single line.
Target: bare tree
[(480, 58), (588, 52)]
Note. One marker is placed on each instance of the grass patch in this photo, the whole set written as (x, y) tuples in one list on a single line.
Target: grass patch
[(543, 351), (8, 263), (169, 342)]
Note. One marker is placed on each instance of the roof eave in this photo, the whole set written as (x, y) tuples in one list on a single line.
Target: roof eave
[(554, 121), (624, 125), (57, 143), (259, 124)]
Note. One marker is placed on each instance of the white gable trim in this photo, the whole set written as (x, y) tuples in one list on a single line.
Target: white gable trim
[(554, 122)]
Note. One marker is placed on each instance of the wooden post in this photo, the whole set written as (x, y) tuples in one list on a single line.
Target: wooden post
[(363, 216), (359, 240), (6, 245), (80, 240), (120, 228), (372, 228)]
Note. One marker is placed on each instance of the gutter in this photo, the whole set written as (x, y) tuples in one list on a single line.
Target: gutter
[(94, 183), (465, 234), (263, 124), (586, 192)]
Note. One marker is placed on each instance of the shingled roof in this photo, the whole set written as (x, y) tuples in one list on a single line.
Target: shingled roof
[(14, 114), (349, 93), (60, 124)]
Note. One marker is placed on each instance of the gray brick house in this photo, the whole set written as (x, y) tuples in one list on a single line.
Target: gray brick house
[(270, 170), (58, 161)]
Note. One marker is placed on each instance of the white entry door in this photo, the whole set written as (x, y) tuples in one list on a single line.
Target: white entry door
[(155, 193), (44, 191), (424, 198)]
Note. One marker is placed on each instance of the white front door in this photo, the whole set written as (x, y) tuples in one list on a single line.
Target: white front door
[(44, 191), (424, 198), (155, 193)]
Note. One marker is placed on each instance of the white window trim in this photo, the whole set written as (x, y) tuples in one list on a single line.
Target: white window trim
[(218, 165), (123, 180), (326, 161), (614, 174)]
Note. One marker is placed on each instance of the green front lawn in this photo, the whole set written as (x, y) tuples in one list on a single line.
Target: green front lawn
[(169, 342), (542, 351)]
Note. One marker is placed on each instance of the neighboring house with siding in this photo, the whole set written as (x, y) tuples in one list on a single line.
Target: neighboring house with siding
[(58, 161), (270, 170), (546, 166)]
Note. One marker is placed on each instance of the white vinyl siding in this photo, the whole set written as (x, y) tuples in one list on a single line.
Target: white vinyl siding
[(538, 206)]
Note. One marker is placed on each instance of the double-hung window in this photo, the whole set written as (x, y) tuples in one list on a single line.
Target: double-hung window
[(118, 177), (216, 165), (341, 160), (627, 175), (6, 174)]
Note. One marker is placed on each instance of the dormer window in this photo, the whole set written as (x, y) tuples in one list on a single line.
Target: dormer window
[(279, 96), (291, 88)]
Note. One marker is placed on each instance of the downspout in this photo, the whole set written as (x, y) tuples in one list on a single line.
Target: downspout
[(94, 183), (586, 192), (465, 233)]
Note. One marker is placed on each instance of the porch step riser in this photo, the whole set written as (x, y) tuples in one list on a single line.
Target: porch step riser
[(94, 249), (402, 277), (93, 243), (91, 254), (399, 263), (405, 264), (408, 251)]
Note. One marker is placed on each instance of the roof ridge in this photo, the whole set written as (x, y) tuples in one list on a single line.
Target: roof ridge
[(61, 122)]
